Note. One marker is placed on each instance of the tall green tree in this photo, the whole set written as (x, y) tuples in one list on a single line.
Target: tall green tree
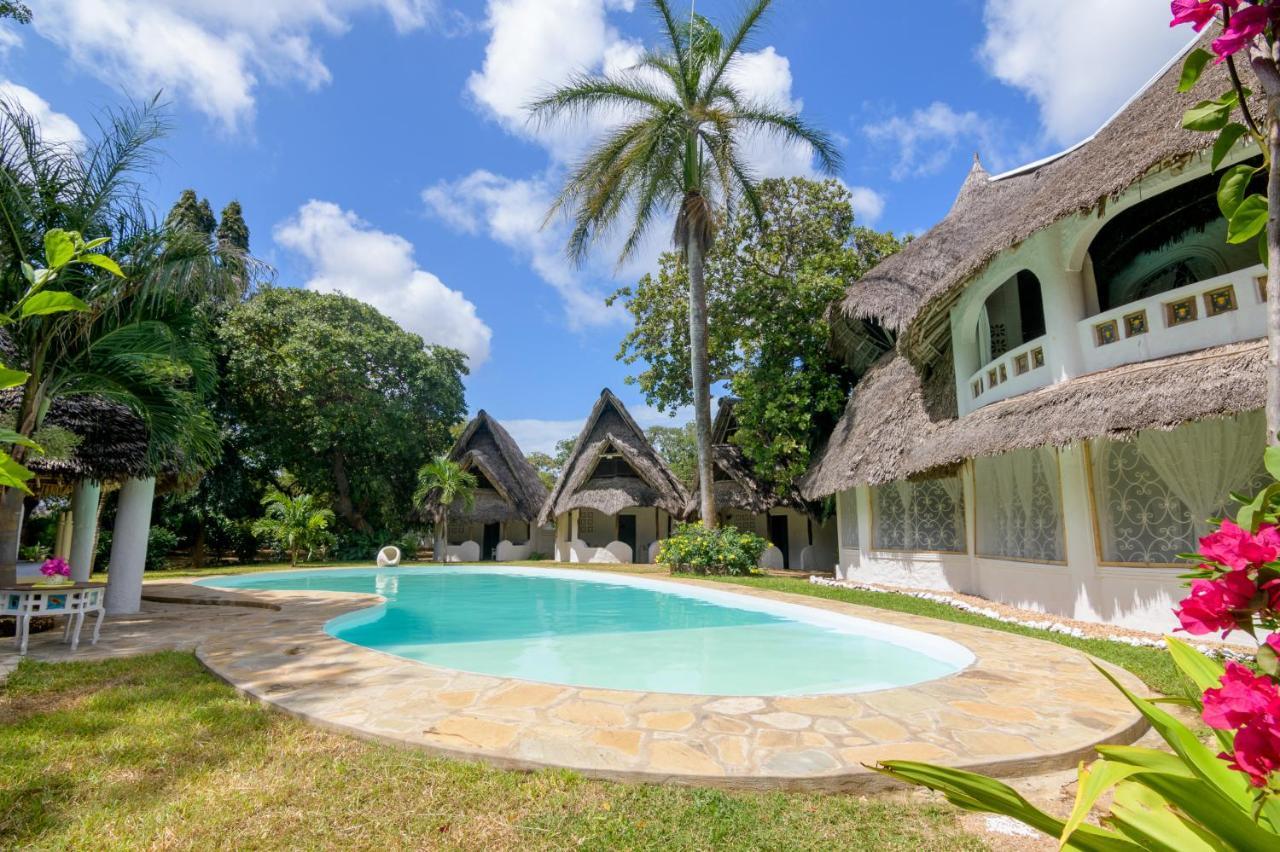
[(441, 483), (352, 405), (678, 446), (679, 149), (191, 213), (770, 282)]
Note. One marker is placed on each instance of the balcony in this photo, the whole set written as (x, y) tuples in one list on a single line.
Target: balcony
[(1226, 309), (1015, 372)]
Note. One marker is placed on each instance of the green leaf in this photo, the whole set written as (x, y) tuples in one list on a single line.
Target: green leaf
[(1150, 759), (29, 272), (59, 248), (1144, 816), (12, 378), (51, 302), (12, 474), (93, 244), (1227, 139), (1232, 187), (1264, 251), (1271, 457), (9, 436), (1226, 817), (1210, 115), (102, 262), (1204, 672), (1248, 220), (1192, 68), (1247, 516), (1094, 781)]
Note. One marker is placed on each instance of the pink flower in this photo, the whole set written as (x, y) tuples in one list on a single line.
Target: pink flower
[(1256, 750), (55, 567), (1237, 548), (1241, 700), (1273, 641), (1213, 604), (1246, 25), (1196, 12)]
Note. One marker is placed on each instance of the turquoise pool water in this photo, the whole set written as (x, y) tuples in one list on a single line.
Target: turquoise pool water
[(592, 629)]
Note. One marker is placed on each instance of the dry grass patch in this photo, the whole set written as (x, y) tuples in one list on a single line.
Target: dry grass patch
[(153, 752)]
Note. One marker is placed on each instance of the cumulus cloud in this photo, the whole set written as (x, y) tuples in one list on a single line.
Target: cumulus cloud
[(541, 436), (215, 55), (347, 255), (867, 204), (54, 126), (927, 138), (511, 211), (1078, 61)]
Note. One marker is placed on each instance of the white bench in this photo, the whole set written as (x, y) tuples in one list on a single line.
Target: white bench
[(76, 600)]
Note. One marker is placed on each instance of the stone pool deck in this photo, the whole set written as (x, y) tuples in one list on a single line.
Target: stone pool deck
[(1024, 707)]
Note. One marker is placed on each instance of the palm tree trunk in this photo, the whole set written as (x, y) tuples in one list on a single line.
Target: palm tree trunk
[(701, 385)]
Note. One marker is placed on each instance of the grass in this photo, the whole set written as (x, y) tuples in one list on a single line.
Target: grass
[(154, 752), (1153, 666)]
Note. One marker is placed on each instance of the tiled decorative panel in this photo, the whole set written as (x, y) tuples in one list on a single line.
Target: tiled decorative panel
[(1106, 332), (1135, 324), (1022, 364), (1180, 312), (1037, 358), (1220, 301)]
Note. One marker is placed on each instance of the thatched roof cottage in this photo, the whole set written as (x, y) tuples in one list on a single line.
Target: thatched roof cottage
[(616, 497), (801, 538), (503, 521), (1076, 382)]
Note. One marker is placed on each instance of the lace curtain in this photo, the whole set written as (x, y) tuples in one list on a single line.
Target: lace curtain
[(1020, 506), (1156, 493), (847, 507), (925, 515)]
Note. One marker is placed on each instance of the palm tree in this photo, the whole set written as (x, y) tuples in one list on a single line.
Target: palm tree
[(679, 148), (441, 483), (293, 523), (131, 339)]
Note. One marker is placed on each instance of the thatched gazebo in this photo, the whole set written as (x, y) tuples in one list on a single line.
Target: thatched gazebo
[(503, 522), (801, 538), (616, 497)]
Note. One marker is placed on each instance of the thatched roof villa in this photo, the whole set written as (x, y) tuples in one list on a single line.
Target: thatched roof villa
[(616, 497), (1076, 382), (503, 521), (801, 538)]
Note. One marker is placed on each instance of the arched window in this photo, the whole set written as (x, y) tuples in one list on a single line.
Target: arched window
[(1012, 315), (1165, 242)]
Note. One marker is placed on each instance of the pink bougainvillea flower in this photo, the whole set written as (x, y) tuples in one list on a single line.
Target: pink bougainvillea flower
[(1198, 13), (1256, 750), (1213, 605), (1273, 642), (55, 567), (1246, 25), (1243, 699), (1237, 548)]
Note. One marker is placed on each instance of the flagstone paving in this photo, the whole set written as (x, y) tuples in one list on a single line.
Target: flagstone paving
[(1025, 706)]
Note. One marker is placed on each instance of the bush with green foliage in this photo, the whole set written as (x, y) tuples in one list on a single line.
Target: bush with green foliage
[(723, 550), (161, 542)]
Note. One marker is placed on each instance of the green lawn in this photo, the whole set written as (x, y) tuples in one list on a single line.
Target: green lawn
[(155, 752)]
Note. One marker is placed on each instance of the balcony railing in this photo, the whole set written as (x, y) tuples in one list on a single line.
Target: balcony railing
[(1226, 309), (1016, 371)]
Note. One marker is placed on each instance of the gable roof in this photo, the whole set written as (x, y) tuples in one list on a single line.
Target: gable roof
[(487, 447), (741, 489), (610, 428), (908, 292)]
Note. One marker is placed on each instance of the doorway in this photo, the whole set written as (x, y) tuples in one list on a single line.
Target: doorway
[(492, 535), (778, 536), (627, 534)]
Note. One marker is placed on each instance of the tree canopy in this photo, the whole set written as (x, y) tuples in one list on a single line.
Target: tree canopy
[(350, 404), (770, 282)]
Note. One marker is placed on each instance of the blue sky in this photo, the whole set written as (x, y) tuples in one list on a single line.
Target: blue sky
[(379, 146)]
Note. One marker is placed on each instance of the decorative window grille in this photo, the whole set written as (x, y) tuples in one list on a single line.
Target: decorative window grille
[(1020, 506), (586, 522), (925, 515), (847, 508), (1154, 495)]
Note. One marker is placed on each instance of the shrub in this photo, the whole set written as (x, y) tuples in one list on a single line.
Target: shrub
[(161, 541), (34, 552), (723, 550)]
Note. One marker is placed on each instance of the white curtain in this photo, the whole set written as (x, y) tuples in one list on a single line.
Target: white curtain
[(1202, 463), (1020, 505), (847, 506)]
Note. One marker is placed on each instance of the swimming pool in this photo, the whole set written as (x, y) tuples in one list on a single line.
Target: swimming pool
[(592, 629)]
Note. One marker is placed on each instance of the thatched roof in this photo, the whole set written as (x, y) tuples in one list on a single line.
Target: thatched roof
[(112, 442), (738, 487), (897, 425), (911, 291), (611, 430), (517, 492)]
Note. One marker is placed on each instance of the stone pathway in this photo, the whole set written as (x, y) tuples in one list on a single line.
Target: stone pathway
[(1024, 707)]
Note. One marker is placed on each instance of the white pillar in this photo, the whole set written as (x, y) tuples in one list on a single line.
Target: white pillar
[(1082, 543), (1064, 307), (129, 546), (84, 533)]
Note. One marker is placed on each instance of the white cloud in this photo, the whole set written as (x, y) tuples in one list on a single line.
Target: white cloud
[(541, 436), (347, 255), (215, 55), (511, 212), (927, 138), (1079, 61), (867, 204), (54, 126)]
